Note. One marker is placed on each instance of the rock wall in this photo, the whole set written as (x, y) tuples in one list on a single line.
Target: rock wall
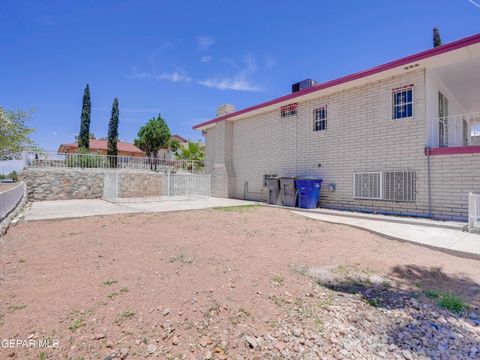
[(140, 184), (63, 184)]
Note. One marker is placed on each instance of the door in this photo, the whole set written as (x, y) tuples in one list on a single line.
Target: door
[(442, 120)]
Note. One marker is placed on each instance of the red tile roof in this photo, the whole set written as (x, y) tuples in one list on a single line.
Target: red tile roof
[(179, 138), (378, 69), (102, 145)]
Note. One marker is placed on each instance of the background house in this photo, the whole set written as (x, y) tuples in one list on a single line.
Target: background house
[(100, 147)]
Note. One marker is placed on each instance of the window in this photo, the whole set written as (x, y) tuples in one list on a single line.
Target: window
[(367, 185), (399, 185), (288, 110), (320, 119), (402, 102), (387, 185)]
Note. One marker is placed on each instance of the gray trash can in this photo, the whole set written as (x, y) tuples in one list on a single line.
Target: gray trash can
[(288, 191), (273, 185)]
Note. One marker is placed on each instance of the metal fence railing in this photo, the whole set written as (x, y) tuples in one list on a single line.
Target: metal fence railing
[(50, 159), (9, 199), (455, 130), (166, 186), (473, 211)]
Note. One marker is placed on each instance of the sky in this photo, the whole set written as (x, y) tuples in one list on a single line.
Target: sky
[(182, 59)]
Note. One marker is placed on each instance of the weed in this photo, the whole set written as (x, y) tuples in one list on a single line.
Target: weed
[(240, 208), (372, 302), (432, 294), (127, 314), (182, 257), (22, 261), (299, 269), (277, 300), (452, 302), (13, 308), (110, 282), (124, 289), (112, 295), (447, 301), (278, 280), (42, 356), (76, 324)]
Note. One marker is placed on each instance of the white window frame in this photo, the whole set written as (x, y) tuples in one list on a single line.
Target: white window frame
[(314, 119), (392, 105)]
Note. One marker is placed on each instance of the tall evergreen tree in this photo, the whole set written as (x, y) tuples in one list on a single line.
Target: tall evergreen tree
[(437, 40), (113, 130), (84, 135)]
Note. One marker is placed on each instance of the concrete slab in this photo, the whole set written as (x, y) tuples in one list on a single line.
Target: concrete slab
[(452, 240), (61, 209)]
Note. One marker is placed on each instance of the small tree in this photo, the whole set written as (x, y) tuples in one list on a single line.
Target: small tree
[(113, 133), (14, 133), (84, 135), (437, 40), (152, 137), (194, 152)]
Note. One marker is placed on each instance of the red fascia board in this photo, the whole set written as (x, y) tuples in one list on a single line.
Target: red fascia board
[(456, 150), (375, 70)]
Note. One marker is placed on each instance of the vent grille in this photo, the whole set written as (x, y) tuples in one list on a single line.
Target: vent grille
[(399, 185), (387, 185), (367, 185)]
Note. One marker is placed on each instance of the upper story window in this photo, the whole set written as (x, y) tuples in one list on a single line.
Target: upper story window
[(320, 119), (288, 110), (402, 102)]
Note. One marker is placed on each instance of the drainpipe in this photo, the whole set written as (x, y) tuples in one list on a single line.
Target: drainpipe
[(429, 182)]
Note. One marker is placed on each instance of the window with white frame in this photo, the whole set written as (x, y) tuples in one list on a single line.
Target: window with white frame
[(402, 102), (320, 119)]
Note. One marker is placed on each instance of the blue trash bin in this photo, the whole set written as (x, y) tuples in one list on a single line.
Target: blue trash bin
[(308, 192)]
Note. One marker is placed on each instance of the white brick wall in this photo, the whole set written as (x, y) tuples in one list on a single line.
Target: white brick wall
[(360, 136)]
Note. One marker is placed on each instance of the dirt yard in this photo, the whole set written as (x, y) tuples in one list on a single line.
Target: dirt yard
[(232, 283)]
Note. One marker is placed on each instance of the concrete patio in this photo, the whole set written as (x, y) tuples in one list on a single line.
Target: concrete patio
[(63, 209)]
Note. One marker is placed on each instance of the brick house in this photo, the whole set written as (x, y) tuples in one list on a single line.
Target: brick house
[(400, 138)]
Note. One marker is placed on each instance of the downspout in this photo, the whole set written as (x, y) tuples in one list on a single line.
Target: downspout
[(429, 182)]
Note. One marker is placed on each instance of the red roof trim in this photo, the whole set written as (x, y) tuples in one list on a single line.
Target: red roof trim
[(453, 150), (378, 69)]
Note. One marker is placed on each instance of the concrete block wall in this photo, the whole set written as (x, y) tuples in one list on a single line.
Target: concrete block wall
[(453, 177), (360, 136)]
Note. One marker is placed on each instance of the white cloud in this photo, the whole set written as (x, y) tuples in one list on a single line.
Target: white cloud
[(239, 84), (239, 81), (204, 42), (474, 3), (206, 58), (175, 76)]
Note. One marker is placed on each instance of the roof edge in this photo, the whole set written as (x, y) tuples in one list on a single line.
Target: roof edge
[(454, 45)]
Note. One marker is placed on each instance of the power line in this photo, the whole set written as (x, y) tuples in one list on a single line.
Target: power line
[(474, 3)]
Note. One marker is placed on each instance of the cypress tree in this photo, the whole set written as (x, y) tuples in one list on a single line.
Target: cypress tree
[(84, 135), (437, 40), (113, 130)]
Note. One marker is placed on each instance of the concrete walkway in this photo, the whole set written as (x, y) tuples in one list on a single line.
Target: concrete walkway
[(63, 209), (435, 234)]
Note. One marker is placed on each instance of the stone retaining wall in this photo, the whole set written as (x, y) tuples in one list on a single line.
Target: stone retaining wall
[(66, 184)]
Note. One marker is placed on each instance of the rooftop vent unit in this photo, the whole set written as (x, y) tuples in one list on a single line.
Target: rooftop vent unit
[(302, 85)]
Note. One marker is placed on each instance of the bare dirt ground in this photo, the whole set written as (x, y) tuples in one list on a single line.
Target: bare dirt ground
[(245, 283)]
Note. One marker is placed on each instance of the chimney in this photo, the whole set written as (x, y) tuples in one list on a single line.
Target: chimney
[(225, 109)]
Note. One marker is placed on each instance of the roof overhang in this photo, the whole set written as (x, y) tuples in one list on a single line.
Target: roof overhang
[(456, 51)]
